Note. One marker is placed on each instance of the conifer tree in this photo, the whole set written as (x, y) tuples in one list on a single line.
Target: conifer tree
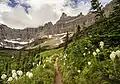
[(116, 10), (97, 9), (76, 35), (66, 41)]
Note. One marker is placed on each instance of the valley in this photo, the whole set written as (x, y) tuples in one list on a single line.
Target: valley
[(83, 49)]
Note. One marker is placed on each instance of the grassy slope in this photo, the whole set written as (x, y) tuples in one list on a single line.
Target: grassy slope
[(42, 75)]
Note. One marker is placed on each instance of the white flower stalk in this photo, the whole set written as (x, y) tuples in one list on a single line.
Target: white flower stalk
[(4, 76), (29, 74), (101, 44), (37, 65), (78, 71), (89, 52), (12, 57), (113, 55), (65, 55), (64, 63), (39, 62), (94, 53), (10, 79), (44, 66), (14, 75), (13, 71), (118, 53), (84, 54), (97, 50), (19, 72), (89, 63), (33, 64), (85, 48)]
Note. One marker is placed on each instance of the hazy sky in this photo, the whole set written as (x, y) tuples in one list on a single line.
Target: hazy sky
[(20, 14)]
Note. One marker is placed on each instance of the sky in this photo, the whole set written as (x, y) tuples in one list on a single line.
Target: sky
[(20, 14)]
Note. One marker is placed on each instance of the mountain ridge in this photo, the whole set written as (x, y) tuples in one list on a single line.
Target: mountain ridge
[(64, 24)]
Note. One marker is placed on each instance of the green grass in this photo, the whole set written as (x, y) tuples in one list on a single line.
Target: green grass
[(42, 74)]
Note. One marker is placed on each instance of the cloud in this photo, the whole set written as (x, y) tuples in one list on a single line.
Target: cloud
[(33, 13), (16, 18), (74, 7), (42, 15)]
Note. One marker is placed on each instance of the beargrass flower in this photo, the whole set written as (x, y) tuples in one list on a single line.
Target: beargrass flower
[(29, 74), (85, 48), (118, 53), (14, 75), (113, 55), (64, 63), (33, 64), (89, 52), (89, 63), (94, 53), (12, 57), (101, 44), (84, 54), (97, 50), (37, 65), (13, 71), (44, 66), (39, 62), (4, 76), (78, 71), (19, 72), (10, 79)]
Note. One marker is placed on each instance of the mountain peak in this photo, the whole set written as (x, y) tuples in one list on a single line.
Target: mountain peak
[(64, 15)]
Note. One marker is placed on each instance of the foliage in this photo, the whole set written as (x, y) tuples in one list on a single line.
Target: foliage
[(43, 69), (97, 9), (100, 70)]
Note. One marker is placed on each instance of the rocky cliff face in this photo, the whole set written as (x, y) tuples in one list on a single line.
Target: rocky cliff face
[(64, 24)]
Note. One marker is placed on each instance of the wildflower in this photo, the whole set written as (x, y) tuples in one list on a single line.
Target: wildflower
[(113, 55), (94, 53), (64, 63), (85, 48), (19, 72), (84, 54), (12, 57), (78, 71), (3, 76), (118, 53), (65, 55), (33, 64), (101, 44), (44, 66), (39, 62), (14, 75), (37, 65), (89, 63), (10, 79), (97, 50), (89, 52), (29, 74), (13, 71)]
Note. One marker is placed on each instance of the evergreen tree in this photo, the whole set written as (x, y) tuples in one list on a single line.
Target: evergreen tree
[(116, 10), (114, 20), (76, 34), (78, 29), (97, 9), (66, 41)]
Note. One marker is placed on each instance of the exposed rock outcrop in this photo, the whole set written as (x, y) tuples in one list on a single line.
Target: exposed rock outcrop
[(64, 24)]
